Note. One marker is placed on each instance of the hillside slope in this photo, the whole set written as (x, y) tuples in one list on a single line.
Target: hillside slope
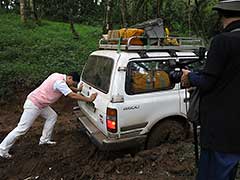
[(29, 53)]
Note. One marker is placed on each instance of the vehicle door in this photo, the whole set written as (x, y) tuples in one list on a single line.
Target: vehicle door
[(151, 95), (96, 77)]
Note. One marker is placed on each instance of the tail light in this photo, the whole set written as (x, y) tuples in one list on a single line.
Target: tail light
[(111, 120)]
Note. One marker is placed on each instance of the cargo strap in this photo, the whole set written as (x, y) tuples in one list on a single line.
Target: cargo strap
[(119, 45)]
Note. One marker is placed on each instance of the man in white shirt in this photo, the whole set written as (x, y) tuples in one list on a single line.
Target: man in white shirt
[(37, 103)]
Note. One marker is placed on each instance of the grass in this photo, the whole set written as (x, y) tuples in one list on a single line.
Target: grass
[(30, 52)]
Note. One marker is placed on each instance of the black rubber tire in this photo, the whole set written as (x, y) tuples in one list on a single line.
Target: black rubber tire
[(168, 131)]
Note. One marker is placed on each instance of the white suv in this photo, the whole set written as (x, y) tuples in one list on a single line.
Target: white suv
[(138, 102)]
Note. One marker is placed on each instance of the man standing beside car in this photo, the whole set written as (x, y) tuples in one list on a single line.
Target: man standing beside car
[(219, 86), (37, 103)]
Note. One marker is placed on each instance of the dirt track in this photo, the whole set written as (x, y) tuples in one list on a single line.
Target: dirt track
[(75, 157)]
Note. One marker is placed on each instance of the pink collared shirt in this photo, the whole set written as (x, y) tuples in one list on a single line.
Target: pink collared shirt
[(50, 91)]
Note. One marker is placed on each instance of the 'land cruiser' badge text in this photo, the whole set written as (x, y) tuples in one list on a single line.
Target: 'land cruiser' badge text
[(131, 108)]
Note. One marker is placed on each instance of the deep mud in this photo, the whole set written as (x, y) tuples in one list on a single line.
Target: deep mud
[(75, 157)]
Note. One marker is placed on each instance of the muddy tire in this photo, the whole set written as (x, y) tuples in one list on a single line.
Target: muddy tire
[(168, 131)]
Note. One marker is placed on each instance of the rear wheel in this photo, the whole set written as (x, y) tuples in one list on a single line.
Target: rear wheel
[(168, 131)]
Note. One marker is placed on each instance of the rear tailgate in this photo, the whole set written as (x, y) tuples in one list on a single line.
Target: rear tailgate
[(97, 77), (95, 111)]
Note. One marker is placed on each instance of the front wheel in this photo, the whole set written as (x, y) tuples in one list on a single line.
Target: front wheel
[(168, 131)]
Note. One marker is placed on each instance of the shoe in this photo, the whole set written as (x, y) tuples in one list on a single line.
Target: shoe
[(5, 155), (47, 143)]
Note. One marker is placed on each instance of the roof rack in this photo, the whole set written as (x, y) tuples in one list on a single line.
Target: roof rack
[(152, 44)]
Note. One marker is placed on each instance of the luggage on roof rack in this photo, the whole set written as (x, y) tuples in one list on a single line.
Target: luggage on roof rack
[(152, 28), (162, 43), (124, 33), (149, 35), (127, 33)]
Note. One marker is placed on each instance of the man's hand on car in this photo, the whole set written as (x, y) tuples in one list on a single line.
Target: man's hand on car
[(93, 97), (80, 87), (185, 79)]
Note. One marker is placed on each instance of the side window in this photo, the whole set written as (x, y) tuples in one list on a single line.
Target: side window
[(148, 76)]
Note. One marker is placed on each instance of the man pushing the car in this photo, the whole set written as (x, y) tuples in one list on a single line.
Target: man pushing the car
[(38, 103)]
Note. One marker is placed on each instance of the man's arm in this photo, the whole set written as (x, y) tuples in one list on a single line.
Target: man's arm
[(215, 64), (80, 97), (74, 89), (64, 89)]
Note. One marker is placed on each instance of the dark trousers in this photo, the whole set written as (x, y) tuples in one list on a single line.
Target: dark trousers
[(217, 165)]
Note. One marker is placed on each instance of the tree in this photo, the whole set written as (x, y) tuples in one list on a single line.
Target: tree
[(108, 24), (28, 10), (158, 8), (33, 10), (71, 12), (22, 11), (203, 17), (124, 14)]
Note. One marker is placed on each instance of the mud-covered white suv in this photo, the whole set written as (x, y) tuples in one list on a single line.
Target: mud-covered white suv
[(138, 102)]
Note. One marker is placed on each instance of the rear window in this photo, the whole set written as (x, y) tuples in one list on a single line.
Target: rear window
[(97, 72), (148, 76)]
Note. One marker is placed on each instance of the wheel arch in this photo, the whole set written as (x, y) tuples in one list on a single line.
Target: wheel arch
[(178, 118)]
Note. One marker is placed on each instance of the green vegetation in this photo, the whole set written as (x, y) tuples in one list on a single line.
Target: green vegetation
[(30, 52)]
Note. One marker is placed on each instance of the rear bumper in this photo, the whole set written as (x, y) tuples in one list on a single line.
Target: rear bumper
[(106, 143)]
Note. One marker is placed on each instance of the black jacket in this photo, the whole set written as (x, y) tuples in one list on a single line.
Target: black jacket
[(220, 93)]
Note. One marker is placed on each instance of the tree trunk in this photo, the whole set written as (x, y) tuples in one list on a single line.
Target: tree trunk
[(33, 10), (189, 18), (22, 11), (123, 6), (108, 17), (158, 8), (138, 11), (200, 22), (74, 32), (72, 28), (146, 11)]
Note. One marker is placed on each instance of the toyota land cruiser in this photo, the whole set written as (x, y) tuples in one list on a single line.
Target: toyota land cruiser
[(138, 102)]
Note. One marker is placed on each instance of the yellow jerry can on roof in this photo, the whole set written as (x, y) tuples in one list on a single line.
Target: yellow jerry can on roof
[(130, 32)]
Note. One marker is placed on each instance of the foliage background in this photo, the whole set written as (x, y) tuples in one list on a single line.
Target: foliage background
[(194, 17), (30, 51)]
